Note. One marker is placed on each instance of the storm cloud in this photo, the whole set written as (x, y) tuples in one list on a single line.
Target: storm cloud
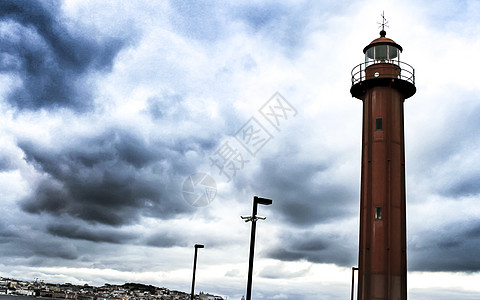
[(315, 246), (112, 178), (50, 60), (95, 234), (301, 198), (449, 248)]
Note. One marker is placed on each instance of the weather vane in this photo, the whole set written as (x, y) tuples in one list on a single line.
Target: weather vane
[(384, 21)]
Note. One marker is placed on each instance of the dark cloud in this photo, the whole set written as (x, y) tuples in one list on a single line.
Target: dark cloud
[(300, 199), (111, 178), (37, 248), (443, 157), (467, 185), (50, 59), (449, 248), (96, 234), (49, 197), (26, 244), (50, 249), (6, 234), (316, 247), (167, 240)]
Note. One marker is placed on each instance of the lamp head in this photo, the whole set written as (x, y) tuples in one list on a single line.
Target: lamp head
[(263, 201), (246, 218), (199, 246)]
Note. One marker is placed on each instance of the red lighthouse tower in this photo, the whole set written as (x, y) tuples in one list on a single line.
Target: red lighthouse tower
[(382, 82)]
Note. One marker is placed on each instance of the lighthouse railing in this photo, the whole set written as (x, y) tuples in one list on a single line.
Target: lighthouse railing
[(402, 71)]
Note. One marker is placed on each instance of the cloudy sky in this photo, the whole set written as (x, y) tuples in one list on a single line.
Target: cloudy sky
[(107, 108)]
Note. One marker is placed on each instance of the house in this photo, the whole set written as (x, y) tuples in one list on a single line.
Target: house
[(203, 296)]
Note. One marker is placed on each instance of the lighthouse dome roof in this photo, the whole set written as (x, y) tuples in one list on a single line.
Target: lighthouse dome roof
[(382, 40)]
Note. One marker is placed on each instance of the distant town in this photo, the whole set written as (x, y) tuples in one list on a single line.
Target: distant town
[(127, 291)]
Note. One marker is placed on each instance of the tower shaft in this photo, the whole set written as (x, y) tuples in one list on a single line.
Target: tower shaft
[(382, 249)]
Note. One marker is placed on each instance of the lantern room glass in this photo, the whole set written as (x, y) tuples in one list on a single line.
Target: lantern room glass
[(382, 54)]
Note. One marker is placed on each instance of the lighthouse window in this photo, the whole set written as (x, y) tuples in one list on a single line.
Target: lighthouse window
[(378, 124), (381, 52), (370, 53), (378, 213), (392, 52)]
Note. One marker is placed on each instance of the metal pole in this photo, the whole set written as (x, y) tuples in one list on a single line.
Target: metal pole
[(194, 269), (252, 249), (353, 280)]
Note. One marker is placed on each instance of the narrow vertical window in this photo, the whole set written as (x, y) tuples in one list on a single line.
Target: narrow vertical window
[(378, 213), (378, 124)]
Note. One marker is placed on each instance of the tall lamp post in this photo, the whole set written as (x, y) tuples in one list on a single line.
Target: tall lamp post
[(253, 218), (194, 268)]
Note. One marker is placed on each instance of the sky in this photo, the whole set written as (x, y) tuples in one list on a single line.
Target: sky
[(116, 115)]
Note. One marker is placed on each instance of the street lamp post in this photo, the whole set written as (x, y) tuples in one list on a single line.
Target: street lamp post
[(194, 268), (353, 280), (253, 218)]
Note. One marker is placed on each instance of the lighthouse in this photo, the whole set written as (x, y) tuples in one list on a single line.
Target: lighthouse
[(383, 82)]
